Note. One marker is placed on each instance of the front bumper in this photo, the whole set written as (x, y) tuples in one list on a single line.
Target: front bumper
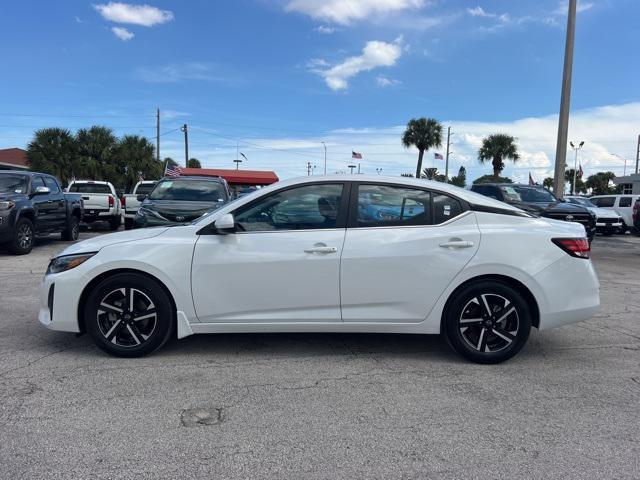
[(59, 300)]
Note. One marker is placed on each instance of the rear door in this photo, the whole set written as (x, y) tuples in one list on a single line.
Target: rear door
[(403, 246)]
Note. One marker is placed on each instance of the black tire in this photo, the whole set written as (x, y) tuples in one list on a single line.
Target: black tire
[(23, 237), (114, 224), (128, 223), (118, 332), (482, 337), (72, 231)]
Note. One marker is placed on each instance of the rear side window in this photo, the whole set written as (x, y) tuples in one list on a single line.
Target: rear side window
[(604, 201), (625, 202), (388, 206), (445, 208), (89, 188)]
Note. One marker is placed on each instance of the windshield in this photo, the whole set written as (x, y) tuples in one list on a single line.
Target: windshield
[(189, 191), (89, 188), (585, 202), (520, 193), (14, 183)]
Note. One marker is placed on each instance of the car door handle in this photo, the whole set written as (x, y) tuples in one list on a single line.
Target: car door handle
[(457, 243), (321, 249)]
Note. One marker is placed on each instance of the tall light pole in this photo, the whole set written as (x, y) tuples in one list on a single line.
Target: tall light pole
[(565, 103), (624, 173), (325, 157), (185, 129), (575, 165), (446, 164)]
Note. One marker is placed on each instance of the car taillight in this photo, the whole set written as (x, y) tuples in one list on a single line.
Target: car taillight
[(123, 202), (636, 211), (576, 247), (112, 201)]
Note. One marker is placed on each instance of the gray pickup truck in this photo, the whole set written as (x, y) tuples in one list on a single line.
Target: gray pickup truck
[(34, 204)]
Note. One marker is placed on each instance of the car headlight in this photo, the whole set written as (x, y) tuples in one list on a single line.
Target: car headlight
[(67, 262), (6, 205)]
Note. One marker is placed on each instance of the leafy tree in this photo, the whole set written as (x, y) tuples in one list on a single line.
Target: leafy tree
[(135, 158), (53, 151), (422, 133), (432, 174), (194, 163), (580, 185), (95, 147), (169, 162), (492, 179), (548, 183), (459, 180), (496, 148), (599, 183)]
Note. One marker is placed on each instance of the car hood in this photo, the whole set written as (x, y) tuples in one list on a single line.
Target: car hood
[(97, 243), (604, 213), (170, 209)]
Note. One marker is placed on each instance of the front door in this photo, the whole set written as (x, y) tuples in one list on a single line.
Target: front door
[(402, 248), (281, 265), (43, 207)]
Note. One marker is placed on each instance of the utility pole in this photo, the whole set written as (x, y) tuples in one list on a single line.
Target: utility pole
[(325, 157), (446, 164), (158, 134), (185, 129), (565, 103), (638, 154)]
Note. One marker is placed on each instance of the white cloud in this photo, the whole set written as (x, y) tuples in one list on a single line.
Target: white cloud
[(383, 81), (177, 72), (144, 15), (325, 29), (77, 19), (375, 54), (346, 11), (479, 12), (122, 33)]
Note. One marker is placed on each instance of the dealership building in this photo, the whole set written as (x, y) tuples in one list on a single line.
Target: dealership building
[(13, 159), (630, 183)]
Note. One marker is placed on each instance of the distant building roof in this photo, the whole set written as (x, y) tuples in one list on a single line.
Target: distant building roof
[(13, 158), (249, 177)]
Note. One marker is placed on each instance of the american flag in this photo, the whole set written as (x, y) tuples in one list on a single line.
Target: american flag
[(438, 156), (356, 155), (531, 182), (172, 171), (580, 171), (140, 177)]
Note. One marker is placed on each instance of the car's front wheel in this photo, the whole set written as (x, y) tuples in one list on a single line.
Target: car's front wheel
[(487, 322), (23, 237), (129, 315)]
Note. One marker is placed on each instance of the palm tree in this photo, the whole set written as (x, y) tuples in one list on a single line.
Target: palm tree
[(422, 133), (548, 183), (496, 148), (52, 151), (135, 158), (194, 163), (432, 174), (96, 146)]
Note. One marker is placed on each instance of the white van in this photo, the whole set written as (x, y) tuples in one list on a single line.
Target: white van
[(623, 204)]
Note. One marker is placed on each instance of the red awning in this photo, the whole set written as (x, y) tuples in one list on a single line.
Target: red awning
[(244, 177)]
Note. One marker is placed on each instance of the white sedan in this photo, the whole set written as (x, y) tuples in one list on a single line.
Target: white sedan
[(331, 254)]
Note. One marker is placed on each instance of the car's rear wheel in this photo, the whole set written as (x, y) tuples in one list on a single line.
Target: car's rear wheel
[(23, 237), (487, 322), (129, 315), (128, 223), (72, 230)]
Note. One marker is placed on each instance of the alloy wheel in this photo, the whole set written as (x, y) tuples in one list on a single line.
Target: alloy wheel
[(25, 236), (127, 317), (489, 323)]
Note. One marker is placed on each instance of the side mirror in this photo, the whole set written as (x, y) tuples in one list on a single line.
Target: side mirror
[(42, 191), (225, 224), (141, 197)]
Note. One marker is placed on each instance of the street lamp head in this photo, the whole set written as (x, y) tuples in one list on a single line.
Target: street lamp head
[(581, 144), (572, 145)]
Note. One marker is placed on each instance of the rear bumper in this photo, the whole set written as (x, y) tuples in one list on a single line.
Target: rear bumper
[(571, 290)]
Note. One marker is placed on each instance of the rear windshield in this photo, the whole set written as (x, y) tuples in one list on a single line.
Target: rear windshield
[(89, 188), (14, 183), (527, 194), (189, 191), (145, 188)]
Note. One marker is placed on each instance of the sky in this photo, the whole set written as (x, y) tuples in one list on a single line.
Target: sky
[(273, 79)]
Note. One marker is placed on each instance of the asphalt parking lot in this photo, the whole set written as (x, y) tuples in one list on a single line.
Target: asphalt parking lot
[(323, 405)]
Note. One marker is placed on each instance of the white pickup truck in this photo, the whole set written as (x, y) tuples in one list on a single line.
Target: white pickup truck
[(101, 202), (130, 201)]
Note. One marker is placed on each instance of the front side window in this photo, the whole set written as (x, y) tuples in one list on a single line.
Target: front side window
[(37, 182), (625, 202), (301, 208), (52, 184), (388, 206)]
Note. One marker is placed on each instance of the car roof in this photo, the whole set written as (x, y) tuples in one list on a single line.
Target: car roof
[(461, 193)]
